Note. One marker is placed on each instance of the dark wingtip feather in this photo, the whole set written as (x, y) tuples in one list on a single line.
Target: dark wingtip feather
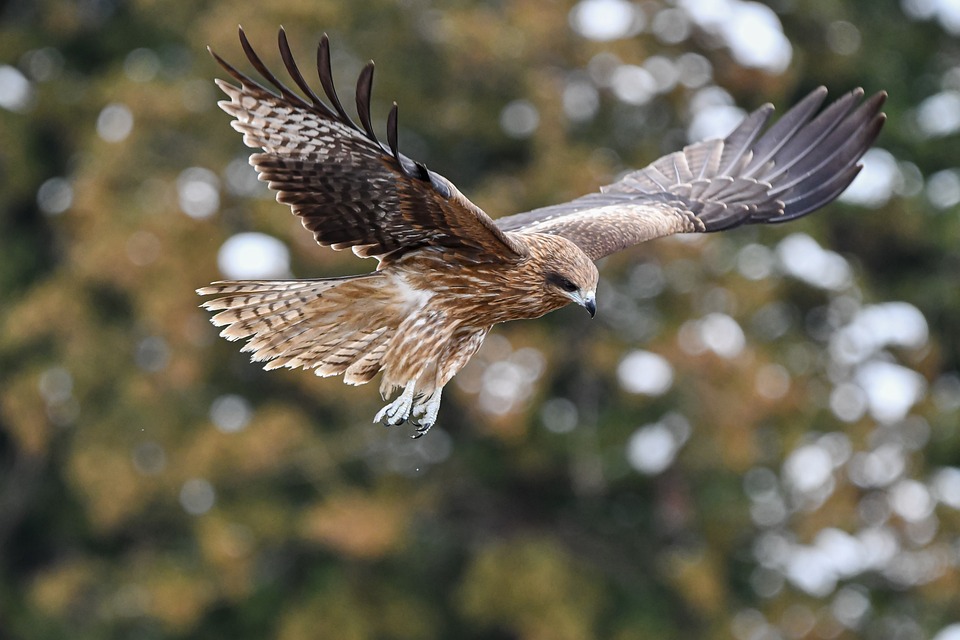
[(237, 75), (258, 64), (801, 149), (393, 142), (364, 92), (325, 72), (220, 61), (820, 185), (392, 132), (291, 65), (877, 100), (774, 138), (806, 159)]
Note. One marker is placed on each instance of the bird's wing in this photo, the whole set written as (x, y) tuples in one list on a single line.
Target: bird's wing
[(798, 165), (350, 189)]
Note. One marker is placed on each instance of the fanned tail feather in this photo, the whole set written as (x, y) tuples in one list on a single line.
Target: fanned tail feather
[(333, 326)]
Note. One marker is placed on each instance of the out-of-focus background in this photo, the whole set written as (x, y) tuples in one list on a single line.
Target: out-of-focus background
[(757, 438)]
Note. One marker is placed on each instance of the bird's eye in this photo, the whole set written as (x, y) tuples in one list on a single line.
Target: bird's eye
[(562, 282)]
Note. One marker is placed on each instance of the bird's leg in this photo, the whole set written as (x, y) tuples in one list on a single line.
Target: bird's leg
[(399, 410), (426, 412)]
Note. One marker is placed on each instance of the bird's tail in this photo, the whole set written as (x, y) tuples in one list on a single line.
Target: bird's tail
[(332, 325)]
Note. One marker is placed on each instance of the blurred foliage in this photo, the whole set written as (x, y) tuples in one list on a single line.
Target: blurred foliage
[(130, 507)]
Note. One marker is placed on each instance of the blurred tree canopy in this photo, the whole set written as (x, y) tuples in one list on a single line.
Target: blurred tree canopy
[(758, 438)]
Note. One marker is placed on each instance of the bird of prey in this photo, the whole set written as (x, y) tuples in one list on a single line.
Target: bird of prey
[(447, 271)]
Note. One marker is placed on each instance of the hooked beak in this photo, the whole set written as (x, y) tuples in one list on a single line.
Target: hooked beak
[(586, 300)]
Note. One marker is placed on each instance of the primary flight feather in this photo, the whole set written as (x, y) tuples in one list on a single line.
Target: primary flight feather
[(447, 272)]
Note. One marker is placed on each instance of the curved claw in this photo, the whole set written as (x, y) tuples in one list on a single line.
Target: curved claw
[(421, 428), (398, 411)]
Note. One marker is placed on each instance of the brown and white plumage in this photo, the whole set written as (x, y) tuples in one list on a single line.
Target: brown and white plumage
[(447, 272)]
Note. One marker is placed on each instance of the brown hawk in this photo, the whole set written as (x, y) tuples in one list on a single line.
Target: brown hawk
[(447, 272)]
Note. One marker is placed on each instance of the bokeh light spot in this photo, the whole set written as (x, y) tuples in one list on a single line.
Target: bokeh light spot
[(519, 119), (197, 496), (16, 92), (230, 413), (198, 191), (252, 255), (55, 196), (605, 20), (115, 122), (645, 372)]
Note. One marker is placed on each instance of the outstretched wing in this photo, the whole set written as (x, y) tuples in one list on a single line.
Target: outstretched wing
[(350, 189), (798, 165)]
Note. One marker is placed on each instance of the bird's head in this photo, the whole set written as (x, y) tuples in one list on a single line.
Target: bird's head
[(573, 275)]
